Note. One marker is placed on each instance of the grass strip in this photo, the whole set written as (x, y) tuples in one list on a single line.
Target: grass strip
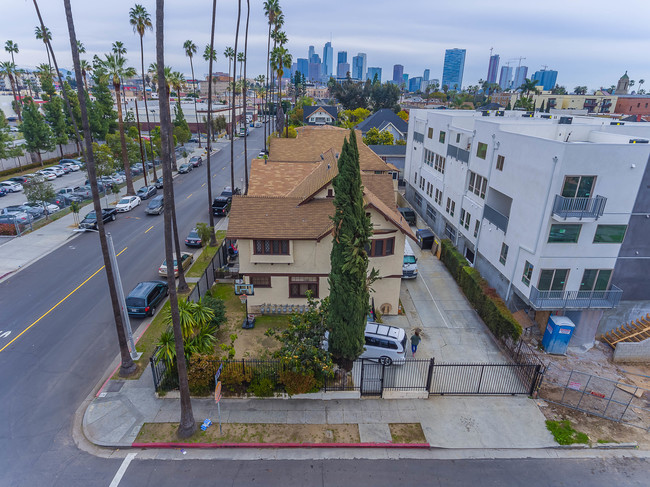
[(564, 433)]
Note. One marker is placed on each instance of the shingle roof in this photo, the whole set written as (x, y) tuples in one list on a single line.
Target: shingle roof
[(277, 178), (308, 110), (380, 118), (381, 185)]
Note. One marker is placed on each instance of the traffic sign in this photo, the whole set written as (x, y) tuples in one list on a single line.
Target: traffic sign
[(218, 374), (217, 393)]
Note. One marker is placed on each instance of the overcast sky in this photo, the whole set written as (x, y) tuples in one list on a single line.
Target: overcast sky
[(589, 42)]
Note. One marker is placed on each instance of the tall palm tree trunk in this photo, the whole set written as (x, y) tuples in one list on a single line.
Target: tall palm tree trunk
[(146, 109), (182, 284), (125, 158), (268, 63), (187, 425), (127, 366), (248, 13), (233, 119), (196, 113), (213, 239), (12, 83)]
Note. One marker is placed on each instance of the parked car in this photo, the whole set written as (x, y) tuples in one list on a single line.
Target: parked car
[(72, 162), (49, 208), (136, 169), (83, 191), (18, 179), (18, 216), (63, 200), (90, 221), (127, 203), (48, 175), (385, 344), (11, 186), (34, 213), (221, 204), (3, 192), (65, 191), (73, 166), (186, 261), (145, 297), (56, 170), (155, 206), (185, 168), (146, 192), (196, 161), (65, 169), (159, 183), (193, 239)]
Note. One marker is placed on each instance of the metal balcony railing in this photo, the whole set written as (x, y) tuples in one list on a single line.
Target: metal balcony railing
[(579, 207), (457, 153), (551, 300), (496, 218)]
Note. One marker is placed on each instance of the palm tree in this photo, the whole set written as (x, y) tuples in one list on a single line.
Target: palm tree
[(187, 425), (116, 69), (118, 49), (528, 85), (81, 48), (259, 87), (229, 54), (280, 59), (277, 25), (248, 14), (233, 116), (141, 21), (190, 51), (240, 59), (44, 35), (8, 69), (210, 55), (12, 48), (86, 68), (271, 11), (128, 367)]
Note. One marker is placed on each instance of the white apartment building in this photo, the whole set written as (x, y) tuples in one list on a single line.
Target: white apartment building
[(553, 211)]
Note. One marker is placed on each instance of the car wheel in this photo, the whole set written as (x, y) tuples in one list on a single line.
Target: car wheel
[(113, 217), (153, 310), (385, 361)]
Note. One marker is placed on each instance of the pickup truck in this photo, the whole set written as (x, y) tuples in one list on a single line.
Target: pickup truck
[(90, 221), (221, 204)]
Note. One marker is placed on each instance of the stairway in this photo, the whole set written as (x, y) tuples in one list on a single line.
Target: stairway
[(634, 331)]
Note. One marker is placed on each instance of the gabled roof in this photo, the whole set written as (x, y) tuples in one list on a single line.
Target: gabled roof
[(380, 118), (330, 110), (326, 170), (277, 178)]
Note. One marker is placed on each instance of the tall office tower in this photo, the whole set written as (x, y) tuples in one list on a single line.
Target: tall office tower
[(372, 72), (328, 59), (303, 67), (359, 66), (547, 78), (315, 71), (520, 76), (342, 57), (342, 70), (405, 80), (312, 51), (398, 71), (427, 72), (452, 72), (505, 78), (493, 68), (415, 84)]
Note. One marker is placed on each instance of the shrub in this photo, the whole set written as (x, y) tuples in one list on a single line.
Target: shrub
[(217, 305), (200, 375), (262, 387), (298, 383), (235, 376)]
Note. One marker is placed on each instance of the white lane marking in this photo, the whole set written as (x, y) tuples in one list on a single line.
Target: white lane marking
[(122, 470), (4, 334), (434, 302)]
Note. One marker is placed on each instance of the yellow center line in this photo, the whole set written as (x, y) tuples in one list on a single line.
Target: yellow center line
[(189, 195), (57, 304), (203, 185), (148, 229)]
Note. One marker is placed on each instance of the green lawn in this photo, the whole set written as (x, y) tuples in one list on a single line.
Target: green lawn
[(203, 261), (564, 433)]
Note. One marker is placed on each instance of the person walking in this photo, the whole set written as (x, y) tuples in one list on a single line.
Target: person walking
[(415, 341)]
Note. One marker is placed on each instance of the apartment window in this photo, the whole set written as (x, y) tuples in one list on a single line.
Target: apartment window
[(552, 279), (481, 150), (595, 279), (299, 285), (528, 273), (421, 183), (504, 253), (416, 178), (260, 281), (418, 199), (438, 197), (429, 190), (465, 218), (477, 225), (610, 233), (564, 233), (440, 164), (442, 137), (450, 232), (457, 138), (500, 161), (381, 247), (431, 213), (451, 206), (271, 247), (578, 186), (430, 133), (477, 184), (429, 157)]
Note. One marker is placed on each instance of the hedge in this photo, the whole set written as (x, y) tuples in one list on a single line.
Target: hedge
[(489, 306)]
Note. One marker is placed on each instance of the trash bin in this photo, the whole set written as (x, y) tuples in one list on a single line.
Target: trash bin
[(425, 238), (557, 335)]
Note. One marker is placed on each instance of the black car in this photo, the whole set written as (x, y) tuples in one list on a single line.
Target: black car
[(193, 239), (144, 298), (196, 161), (155, 206), (408, 214), (90, 221), (185, 168), (159, 183), (146, 192), (221, 204)]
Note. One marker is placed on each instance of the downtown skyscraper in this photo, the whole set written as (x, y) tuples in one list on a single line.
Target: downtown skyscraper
[(454, 66), (328, 60), (493, 69)]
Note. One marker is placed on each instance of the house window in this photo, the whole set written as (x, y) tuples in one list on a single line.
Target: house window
[(430, 133), (503, 256), (578, 186), (429, 190), (610, 233), (477, 225), (465, 218), (299, 285), (450, 232), (438, 197), (418, 199), (552, 279), (416, 178), (481, 150), (442, 137), (271, 247), (429, 157), (457, 138), (595, 279), (440, 164), (500, 161), (260, 281), (564, 233), (381, 247), (330, 193), (451, 207), (431, 213), (477, 184), (528, 273)]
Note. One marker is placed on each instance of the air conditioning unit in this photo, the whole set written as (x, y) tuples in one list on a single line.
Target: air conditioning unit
[(485, 113), (617, 123), (500, 113), (638, 141), (565, 120), (546, 116)]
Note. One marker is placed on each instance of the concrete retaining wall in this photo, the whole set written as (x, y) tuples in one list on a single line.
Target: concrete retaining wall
[(69, 149), (633, 352), (625, 312)]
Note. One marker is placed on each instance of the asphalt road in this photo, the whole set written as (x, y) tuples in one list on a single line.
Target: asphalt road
[(48, 372)]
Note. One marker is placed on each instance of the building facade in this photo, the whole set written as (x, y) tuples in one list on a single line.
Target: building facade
[(359, 65), (328, 60), (550, 211), (454, 66), (493, 68), (546, 78), (425, 76), (398, 72), (520, 76), (372, 72), (505, 78)]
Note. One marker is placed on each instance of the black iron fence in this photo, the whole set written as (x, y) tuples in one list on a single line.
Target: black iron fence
[(483, 379), (216, 269)]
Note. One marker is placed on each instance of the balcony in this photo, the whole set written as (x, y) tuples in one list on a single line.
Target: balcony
[(457, 153), (579, 208), (496, 218), (552, 300), (418, 137)]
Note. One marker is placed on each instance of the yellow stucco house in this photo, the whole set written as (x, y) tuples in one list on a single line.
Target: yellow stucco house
[(283, 225)]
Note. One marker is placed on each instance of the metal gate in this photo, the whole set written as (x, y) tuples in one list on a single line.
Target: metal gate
[(484, 379), (372, 377)]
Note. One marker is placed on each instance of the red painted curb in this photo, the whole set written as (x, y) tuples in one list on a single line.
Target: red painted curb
[(282, 445)]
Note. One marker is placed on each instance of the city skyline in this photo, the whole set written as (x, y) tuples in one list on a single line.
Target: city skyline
[(582, 55)]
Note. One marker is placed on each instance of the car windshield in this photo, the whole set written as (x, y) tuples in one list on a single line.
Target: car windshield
[(409, 259), (124, 201), (91, 215), (142, 190)]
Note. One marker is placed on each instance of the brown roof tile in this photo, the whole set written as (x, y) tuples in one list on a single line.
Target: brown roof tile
[(277, 178), (381, 185)]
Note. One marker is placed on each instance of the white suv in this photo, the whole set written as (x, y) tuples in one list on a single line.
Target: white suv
[(386, 344)]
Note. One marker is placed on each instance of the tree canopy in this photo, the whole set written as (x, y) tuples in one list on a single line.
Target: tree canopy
[(38, 135), (375, 137)]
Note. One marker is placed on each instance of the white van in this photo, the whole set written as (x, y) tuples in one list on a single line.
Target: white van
[(410, 266)]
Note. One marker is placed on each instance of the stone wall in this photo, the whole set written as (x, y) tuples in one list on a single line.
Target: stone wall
[(638, 352)]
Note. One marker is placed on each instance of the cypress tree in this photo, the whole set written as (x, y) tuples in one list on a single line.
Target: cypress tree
[(55, 117), (349, 293), (38, 136)]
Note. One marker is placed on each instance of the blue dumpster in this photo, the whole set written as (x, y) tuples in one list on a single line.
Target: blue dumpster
[(557, 335)]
